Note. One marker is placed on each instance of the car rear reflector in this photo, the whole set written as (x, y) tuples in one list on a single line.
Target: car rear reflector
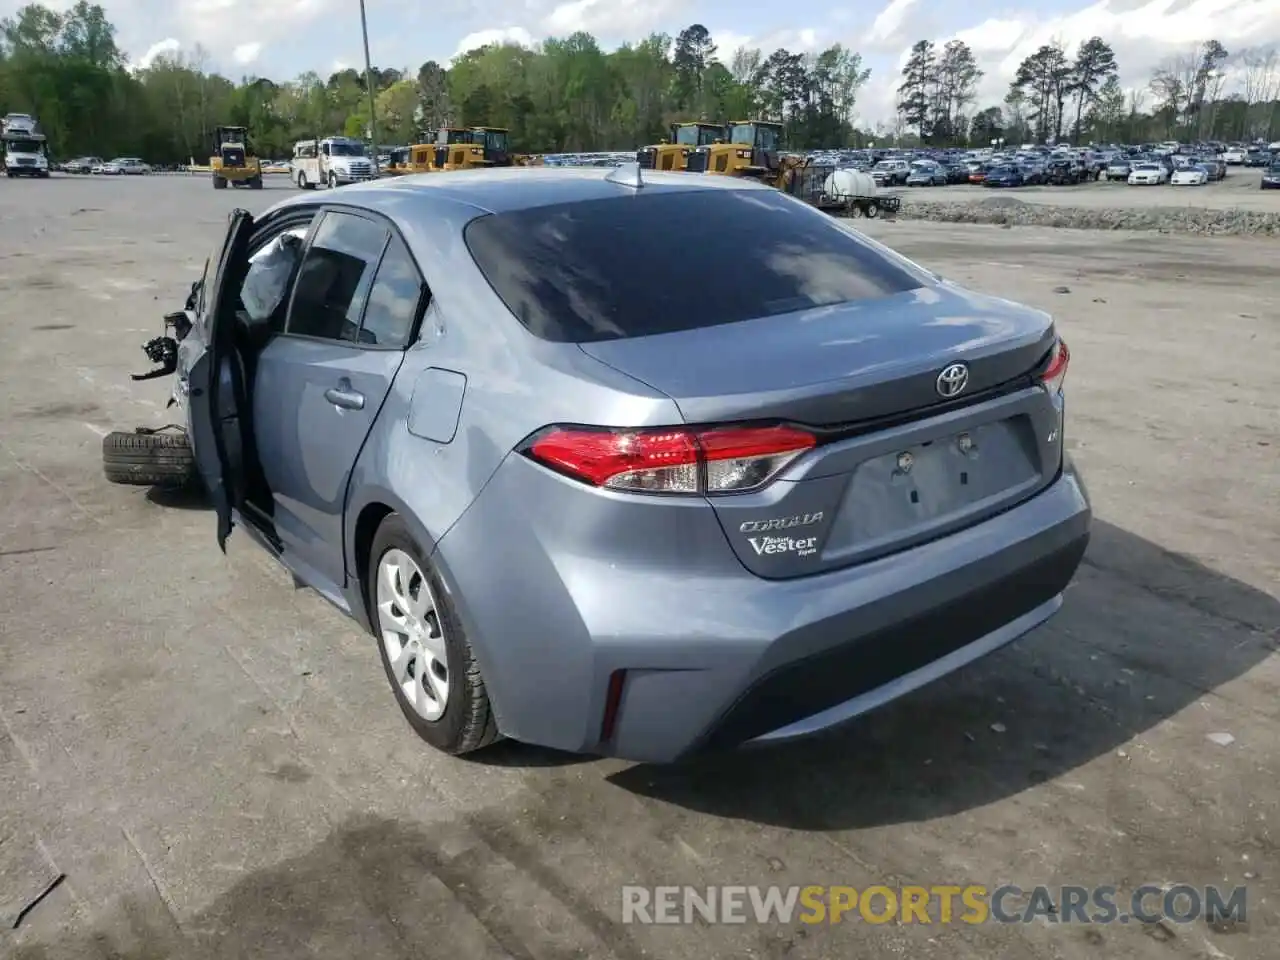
[(671, 460)]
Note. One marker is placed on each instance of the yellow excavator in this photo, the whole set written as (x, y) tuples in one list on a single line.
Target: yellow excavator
[(686, 138)]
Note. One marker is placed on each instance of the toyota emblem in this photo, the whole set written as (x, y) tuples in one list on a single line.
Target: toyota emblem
[(952, 380)]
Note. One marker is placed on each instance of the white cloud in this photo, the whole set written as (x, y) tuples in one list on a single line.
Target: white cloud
[(162, 48), (246, 53), (888, 25), (613, 19), (483, 38), (1143, 34), (728, 43)]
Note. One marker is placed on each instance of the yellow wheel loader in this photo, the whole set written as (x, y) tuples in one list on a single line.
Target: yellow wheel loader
[(233, 161), (751, 150), (674, 154)]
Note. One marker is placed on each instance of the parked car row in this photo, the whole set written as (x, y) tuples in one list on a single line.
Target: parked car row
[(120, 166)]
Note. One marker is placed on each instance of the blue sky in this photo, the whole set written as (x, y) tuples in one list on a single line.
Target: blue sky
[(281, 38)]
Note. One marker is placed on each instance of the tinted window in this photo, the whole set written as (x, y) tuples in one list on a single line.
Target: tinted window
[(335, 277), (664, 262), (393, 299)]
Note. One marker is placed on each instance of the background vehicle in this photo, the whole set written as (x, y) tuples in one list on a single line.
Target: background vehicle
[(1235, 156), (712, 445), (1062, 172), (1006, 175), (82, 165), (1214, 167), (1119, 169), (24, 146), (1189, 176), (131, 166), (1148, 174), (330, 162), (753, 149), (891, 173), (233, 161), (926, 174), (1271, 176), (685, 139)]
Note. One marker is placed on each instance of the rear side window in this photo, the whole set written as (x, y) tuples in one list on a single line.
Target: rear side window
[(393, 299), (639, 265), (335, 277)]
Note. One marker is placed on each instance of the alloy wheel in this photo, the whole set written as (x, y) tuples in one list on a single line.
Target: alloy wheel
[(412, 634)]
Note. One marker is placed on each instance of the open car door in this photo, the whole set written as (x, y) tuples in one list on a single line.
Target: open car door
[(218, 400)]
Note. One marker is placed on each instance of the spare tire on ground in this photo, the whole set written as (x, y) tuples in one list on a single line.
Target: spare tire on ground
[(144, 459)]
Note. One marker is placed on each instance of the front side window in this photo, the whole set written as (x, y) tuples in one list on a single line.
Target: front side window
[(334, 280), (266, 283), (607, 269)]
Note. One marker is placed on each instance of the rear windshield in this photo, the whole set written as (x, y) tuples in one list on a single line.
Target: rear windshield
[(646, 264)]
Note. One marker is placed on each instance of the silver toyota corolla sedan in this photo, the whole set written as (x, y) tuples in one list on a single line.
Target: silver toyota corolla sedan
[(634, 468)]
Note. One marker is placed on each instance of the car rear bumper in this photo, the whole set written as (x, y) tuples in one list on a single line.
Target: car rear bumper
[(714, 657)]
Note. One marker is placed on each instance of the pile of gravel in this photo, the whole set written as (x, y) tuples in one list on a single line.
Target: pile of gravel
[(1013, 212)]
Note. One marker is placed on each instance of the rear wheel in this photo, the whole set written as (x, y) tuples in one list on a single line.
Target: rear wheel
[(302, 180), (148, 459), (256, 183), (219, 183), (873, 210), (425, 653), (333, 180)]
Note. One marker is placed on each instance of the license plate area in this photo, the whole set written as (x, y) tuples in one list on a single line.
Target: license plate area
[(927, 488)]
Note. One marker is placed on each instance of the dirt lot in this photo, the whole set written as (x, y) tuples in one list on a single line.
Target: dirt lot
[(214, 762), (1238, 190)]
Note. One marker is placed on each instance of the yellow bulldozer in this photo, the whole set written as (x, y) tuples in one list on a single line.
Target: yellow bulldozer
[(233, 161), (674, 154)]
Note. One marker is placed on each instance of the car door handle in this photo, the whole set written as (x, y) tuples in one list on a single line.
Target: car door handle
[(347, 399)]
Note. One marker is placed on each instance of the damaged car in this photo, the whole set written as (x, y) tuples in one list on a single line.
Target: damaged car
[(577, 502)]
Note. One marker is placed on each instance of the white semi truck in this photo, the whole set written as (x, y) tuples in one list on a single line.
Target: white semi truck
[(25, 150)]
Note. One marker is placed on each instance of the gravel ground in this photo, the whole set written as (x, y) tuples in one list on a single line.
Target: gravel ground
[(1232, 206), (213, 762)]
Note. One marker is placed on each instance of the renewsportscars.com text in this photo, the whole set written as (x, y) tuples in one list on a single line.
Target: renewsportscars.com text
[(941, 904)]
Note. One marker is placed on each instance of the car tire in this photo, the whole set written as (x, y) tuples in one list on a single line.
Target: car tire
[(467, 722), (148, 459), (302, 180), (333, 180)]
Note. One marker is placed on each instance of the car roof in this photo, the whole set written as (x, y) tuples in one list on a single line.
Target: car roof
[(507, 189)]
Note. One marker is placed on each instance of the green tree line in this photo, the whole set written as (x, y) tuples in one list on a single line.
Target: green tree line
[(1201, 94), (567, 95)]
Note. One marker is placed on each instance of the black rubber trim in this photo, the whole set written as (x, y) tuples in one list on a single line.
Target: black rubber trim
[(806, 687)]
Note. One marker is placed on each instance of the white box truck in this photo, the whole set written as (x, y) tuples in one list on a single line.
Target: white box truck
[(25, 150)]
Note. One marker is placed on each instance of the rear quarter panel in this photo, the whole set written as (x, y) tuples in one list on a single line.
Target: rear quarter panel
[(515, 384)]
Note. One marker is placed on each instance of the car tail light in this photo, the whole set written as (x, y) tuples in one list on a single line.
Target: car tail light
[(1055, 372), (679, 460)]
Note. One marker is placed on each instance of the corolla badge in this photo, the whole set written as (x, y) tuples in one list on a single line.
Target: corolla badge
[(781, 523)]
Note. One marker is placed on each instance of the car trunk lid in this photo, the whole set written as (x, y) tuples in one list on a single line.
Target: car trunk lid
[(897, 463)]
